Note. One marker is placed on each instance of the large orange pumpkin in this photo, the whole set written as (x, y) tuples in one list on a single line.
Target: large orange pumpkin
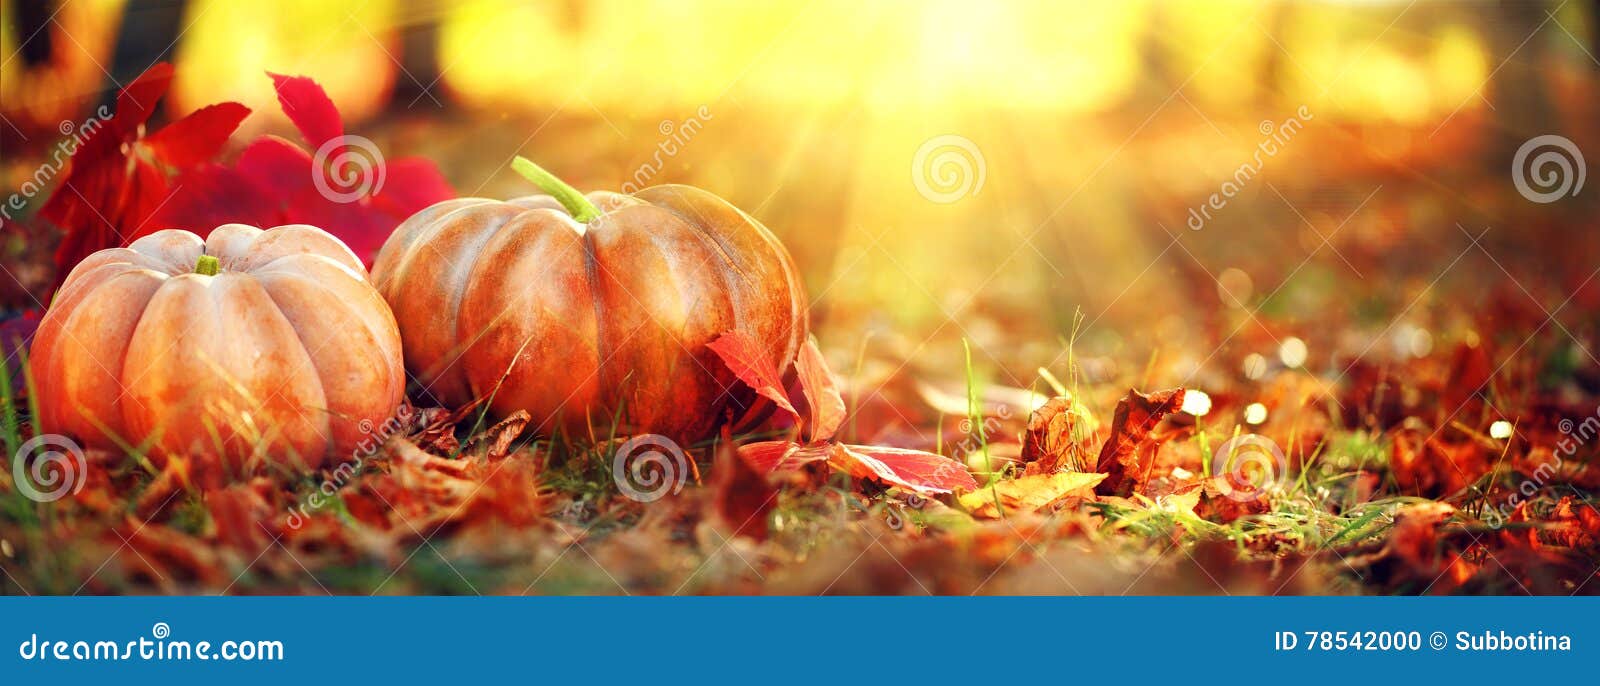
[(269, 349), (591, 312)]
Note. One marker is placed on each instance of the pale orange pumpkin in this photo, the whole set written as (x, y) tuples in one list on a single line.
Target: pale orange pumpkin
[(269, 349), (592, 313)]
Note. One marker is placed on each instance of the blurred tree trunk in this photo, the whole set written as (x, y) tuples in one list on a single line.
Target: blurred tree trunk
[(1517, 92), (150, 32), (419, 57), (31, 18)]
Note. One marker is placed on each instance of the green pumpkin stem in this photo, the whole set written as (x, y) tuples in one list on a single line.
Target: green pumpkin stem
[(207, 266), (578, 206)]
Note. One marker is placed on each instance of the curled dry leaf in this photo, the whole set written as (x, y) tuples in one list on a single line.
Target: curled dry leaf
[(498, 438), (1572, 525), (168, 555), (1031, 493), (1130, 449), (438, 428), (421, 493), (744, 357), (1057, 439), (821, 393)]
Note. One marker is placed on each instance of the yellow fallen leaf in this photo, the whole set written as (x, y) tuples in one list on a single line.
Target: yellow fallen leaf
[(1030, 493)]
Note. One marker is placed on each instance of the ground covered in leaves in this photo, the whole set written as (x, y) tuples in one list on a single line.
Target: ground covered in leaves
[(1114, 492)]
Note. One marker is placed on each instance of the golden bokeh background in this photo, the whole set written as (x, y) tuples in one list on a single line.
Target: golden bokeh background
[(1094, 127)]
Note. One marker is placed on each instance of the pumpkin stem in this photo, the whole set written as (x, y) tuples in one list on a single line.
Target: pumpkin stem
[(578, 206), (207, 266)]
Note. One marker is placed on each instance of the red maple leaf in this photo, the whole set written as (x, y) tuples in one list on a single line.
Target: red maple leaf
[(747, 360), (342, 184), (117, 178), (914, 470)]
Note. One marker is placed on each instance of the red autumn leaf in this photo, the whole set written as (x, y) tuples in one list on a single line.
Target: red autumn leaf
[(821, 390), (212, 195), (309, 107), (197, 138), (1470, 374), (747, 361), (112, 191), (916, 470), (88, 199), (359, 226), (360, 197), (1424, 464), (137, 101), (277, 165), (919, 471), (767, 457), (411, 184), (1130, 448)]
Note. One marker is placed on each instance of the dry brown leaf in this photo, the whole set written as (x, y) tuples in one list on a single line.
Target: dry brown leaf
[(241, 515), (1057, 439), (1130, 449), (1426, 465), (438, 427), (1221, 501), (498, 438)]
